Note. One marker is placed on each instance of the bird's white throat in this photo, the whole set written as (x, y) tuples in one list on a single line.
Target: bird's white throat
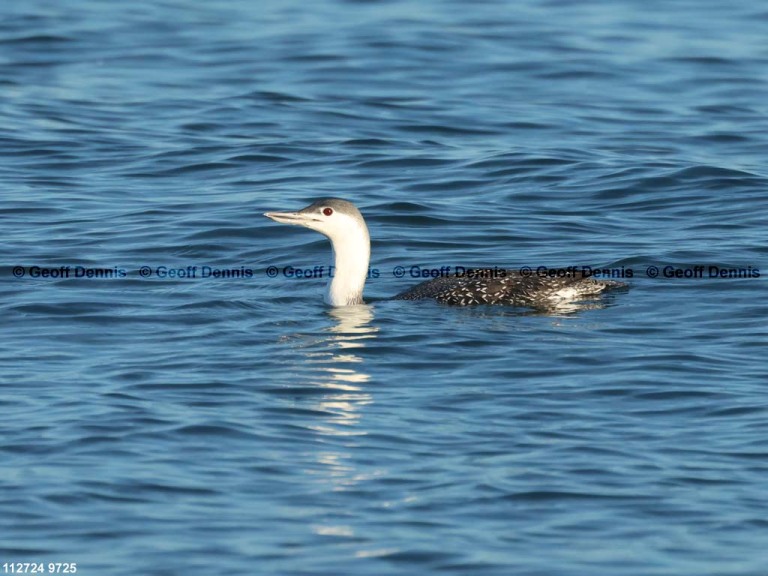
[(351, 256)]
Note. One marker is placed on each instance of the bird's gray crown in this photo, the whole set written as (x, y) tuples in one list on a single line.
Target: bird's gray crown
[(337, 204)]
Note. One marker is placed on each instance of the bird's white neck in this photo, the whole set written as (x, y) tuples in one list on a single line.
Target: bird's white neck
[(351, 255)]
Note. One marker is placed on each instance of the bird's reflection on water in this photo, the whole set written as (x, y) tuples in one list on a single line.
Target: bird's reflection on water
[(334, 383), (337, 368)]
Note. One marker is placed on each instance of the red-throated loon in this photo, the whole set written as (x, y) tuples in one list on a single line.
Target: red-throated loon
[(345, 227)]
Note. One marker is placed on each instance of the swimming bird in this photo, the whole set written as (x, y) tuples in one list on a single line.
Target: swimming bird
[(343, 224)]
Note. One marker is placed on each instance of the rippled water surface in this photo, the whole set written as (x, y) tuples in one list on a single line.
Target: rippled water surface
[(179, 425)]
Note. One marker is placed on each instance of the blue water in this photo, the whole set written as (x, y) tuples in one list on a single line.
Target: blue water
[(238, 426)]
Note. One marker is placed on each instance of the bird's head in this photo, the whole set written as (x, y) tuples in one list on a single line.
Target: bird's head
[(337, 219)]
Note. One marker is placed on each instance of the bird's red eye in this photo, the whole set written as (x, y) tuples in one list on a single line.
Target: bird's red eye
[(327, 211)]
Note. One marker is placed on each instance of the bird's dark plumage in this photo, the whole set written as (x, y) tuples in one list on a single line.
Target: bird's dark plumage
[(494, 286)]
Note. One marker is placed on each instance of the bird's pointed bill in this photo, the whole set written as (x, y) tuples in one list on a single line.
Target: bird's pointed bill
[(296, 218)]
